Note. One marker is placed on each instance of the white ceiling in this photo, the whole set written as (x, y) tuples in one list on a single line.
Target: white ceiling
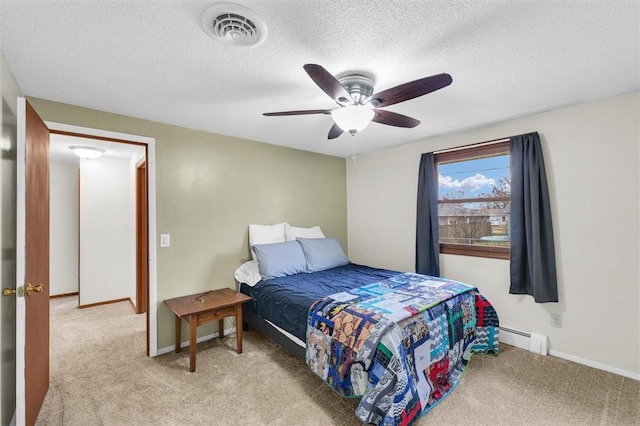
[(153, 60)]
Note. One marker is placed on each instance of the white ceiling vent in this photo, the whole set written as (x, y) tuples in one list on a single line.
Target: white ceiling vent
[(234, 25)]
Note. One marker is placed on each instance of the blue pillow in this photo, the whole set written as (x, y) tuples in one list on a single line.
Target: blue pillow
[(322, 253), (279, 259)]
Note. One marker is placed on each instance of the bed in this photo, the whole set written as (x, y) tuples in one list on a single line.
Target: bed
[(398, 341)]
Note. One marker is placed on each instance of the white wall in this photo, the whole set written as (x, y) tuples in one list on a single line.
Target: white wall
[(63, 229), (592, 161), (107, 230)]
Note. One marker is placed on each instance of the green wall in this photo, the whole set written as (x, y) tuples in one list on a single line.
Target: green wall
[(209, 188)]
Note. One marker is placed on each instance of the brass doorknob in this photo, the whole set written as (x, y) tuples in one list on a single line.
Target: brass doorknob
[(8, 291), (29, 288)]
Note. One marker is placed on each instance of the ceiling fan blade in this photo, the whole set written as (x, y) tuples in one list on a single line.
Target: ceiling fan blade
[(394, 119), (335, 132), (412, 89), (302, 112), (328, 83)]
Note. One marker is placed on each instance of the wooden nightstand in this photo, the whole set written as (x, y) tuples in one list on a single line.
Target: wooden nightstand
[(202, 308)]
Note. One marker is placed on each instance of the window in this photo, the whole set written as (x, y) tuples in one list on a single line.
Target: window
[(474, 200)]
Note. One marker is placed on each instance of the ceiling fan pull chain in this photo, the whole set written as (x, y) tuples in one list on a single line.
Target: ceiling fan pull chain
[(354, 157)]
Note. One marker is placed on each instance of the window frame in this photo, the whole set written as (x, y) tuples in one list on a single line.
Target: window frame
[(499, 147)]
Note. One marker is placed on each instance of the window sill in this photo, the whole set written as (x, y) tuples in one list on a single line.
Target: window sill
[(491, 252)]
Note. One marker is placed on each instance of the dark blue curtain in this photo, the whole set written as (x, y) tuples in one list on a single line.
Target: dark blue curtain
[(533, 261), (427, 245)]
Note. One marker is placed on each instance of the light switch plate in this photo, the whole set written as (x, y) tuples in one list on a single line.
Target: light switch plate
[(165, 240)]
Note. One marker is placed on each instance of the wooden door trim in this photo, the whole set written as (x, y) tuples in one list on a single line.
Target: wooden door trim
[(96, 137), (78, 231), (106, 302), (58, 296), (142, 239)]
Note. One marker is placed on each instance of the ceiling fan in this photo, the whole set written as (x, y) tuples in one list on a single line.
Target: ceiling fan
[(358, 105)]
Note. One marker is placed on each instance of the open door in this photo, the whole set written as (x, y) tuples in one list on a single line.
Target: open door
[(32, 264)]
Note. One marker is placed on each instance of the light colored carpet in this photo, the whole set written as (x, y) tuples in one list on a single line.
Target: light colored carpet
[(100, 375)]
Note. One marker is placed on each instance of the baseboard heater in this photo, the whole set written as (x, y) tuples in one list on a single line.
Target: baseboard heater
[(532, 341)]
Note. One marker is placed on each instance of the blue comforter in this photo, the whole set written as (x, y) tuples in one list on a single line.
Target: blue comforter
[(285, 301)]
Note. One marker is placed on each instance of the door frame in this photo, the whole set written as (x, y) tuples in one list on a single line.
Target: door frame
[(142, 241), (21, 311), (149, 143), (142, 231)]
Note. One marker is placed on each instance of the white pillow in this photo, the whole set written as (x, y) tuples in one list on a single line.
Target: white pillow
[(292, 232), (248, 273), (266, 234)]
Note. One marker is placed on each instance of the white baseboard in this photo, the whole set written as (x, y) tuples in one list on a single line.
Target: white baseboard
[(185, 343), (520, 339), (599, 366)]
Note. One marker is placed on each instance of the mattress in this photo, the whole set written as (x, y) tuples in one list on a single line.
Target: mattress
[(285, 301)]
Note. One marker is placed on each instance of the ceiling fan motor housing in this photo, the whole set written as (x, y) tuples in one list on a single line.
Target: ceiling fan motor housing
[(359, 87)]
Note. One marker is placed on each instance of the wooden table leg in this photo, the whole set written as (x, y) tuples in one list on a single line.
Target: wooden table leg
[(193, 327), (221, 328), (178, 333), (239, 327)]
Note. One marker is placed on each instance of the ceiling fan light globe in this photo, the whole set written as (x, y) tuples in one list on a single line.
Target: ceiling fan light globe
[(353, 118)]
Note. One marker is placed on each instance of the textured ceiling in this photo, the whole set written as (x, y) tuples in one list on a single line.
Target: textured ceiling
[(153, 60)]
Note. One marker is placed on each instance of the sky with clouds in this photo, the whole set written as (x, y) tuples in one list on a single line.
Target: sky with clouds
[(471, 178)]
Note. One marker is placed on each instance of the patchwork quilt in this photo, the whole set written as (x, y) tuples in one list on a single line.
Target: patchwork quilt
[(401, 344)]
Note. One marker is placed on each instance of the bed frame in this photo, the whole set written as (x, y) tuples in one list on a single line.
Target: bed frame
[(251, 319)]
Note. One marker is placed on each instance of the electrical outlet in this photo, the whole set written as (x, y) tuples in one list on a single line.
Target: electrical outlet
[(555, 321)]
